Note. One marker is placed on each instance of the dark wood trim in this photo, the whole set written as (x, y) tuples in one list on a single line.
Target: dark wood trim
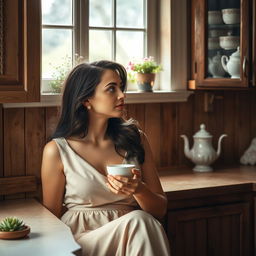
[(20, 184)]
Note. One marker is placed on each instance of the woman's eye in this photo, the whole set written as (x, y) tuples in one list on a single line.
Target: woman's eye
[(111, 89)]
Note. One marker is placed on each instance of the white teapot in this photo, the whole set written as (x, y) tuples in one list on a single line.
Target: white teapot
[(202, 153), (215, 66), (232, 64)]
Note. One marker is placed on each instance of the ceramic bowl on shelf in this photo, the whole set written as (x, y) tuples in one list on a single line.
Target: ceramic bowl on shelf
[(229, 42), (231, 16), (8, 235), (213, 43), (214, 18)]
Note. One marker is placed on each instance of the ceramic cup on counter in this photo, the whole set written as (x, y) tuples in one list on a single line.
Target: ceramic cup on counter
[(213, 43), (231, 16), (229, 42), (214, 17)]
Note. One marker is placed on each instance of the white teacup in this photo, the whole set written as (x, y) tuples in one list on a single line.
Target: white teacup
[(120, 169), (229, 42), (231, 16)]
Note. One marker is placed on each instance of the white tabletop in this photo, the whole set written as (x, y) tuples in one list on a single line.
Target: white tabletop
[(49, 236)]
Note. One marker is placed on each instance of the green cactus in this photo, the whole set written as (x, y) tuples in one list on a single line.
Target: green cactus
[(11, 224)]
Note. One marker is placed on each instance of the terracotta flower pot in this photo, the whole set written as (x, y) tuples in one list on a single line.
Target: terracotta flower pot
[(15, 234), (145, 82)]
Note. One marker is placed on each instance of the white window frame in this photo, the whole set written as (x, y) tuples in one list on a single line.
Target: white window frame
[(169, 41)]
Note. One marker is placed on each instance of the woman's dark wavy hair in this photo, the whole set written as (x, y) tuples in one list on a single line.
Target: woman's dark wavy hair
[(79, 86)]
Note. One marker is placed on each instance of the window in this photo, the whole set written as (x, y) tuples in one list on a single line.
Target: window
[(95, 29), (165, 37)]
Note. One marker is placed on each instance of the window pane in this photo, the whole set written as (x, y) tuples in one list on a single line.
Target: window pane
[(56, 50), (57, 12), (129, 45), (130, 13), (100, 13), (100, 45)]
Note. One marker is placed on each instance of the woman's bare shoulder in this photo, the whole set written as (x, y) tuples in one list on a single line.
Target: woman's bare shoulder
[(51, 157), (51, 150)]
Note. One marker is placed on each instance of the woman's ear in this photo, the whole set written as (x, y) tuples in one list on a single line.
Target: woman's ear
[(87, 104)]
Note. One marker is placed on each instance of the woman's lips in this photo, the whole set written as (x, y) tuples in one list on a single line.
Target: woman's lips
[(120, 106)]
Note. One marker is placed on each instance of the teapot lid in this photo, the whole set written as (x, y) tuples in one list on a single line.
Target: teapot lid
[(202, 133), (236, 54)]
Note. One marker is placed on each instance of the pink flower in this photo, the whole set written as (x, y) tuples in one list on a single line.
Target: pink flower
[(130, 66)]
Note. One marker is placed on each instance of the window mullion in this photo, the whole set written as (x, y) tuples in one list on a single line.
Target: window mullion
[(84, 29), (114, 31)]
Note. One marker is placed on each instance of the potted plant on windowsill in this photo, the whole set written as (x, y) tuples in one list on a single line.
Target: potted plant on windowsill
[(60, 72), (13, 228), (143, 72)]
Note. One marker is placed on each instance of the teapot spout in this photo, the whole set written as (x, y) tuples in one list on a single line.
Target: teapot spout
[(219, 143), (186, 146)]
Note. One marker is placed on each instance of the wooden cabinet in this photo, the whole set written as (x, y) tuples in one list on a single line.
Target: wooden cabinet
[(217, 230), (218, 29), (20, 37)]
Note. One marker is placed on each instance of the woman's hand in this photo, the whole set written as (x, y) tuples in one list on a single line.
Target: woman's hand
[(125, 185)]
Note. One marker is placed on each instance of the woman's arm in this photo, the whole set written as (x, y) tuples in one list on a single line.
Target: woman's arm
[(148, 192), (53, 179)]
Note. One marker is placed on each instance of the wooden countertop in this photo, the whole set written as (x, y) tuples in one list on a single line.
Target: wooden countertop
[(48, 236), (187, 183)]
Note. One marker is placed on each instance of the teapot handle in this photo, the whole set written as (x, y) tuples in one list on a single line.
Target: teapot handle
[(224, 60)]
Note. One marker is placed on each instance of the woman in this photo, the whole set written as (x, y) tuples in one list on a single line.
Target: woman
[(108, 215)]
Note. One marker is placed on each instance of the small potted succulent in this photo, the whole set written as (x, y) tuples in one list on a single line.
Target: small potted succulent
[(143, 72), (12, 228)]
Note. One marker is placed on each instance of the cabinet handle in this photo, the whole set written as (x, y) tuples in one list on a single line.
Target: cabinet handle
[(244, 66)]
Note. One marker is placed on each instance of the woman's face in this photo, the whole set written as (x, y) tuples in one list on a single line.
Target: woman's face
[(108, 99)]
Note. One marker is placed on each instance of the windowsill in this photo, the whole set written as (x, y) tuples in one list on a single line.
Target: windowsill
[(132, 97)]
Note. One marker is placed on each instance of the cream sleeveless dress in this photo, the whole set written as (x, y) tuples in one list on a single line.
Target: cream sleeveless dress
[(103, 223)]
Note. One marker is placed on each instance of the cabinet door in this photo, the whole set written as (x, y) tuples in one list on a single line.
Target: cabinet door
[(221, 230), (220, 43), (20, 50)]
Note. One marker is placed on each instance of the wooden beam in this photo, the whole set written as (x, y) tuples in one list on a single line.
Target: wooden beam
[(19, 184)]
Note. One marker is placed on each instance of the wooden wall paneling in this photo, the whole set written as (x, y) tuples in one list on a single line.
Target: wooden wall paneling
[(243, 119), (14, 147), (137, 111), (1, 145), (153, 130), (51, 119), (1, 142), (200, 117), (169, 138), (18, 184), (185, 125), (229, 113), (34, 142), (216, 124)]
